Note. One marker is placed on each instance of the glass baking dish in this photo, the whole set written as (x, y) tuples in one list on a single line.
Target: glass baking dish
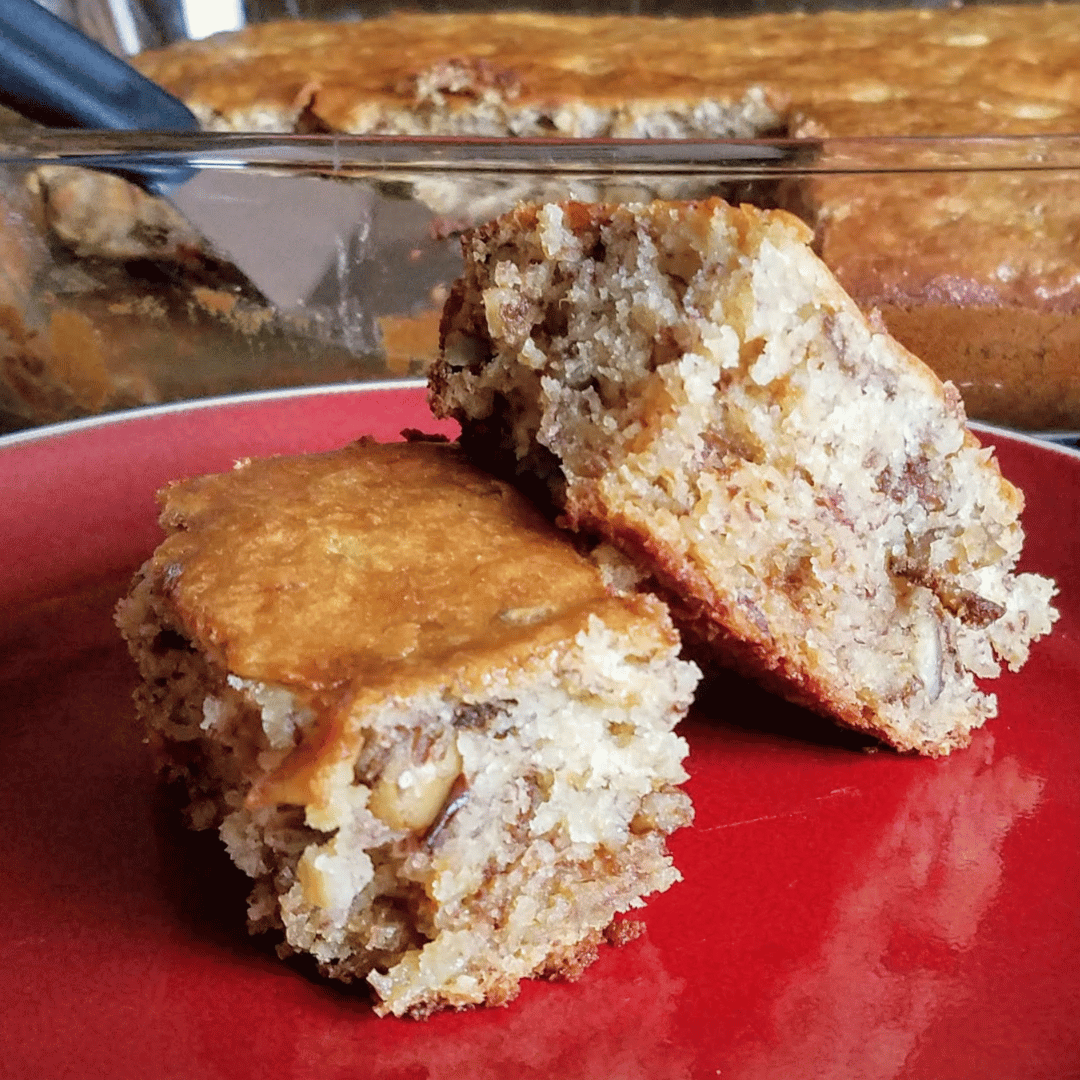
[(968, 248)]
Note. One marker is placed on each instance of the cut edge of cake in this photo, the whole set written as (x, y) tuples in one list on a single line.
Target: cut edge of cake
[(688, 382)]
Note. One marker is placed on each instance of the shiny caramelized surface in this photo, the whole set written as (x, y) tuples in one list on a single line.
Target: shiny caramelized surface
[(377, 564)]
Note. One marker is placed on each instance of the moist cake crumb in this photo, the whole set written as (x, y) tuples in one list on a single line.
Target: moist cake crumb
[(688, 383), (441, 749)]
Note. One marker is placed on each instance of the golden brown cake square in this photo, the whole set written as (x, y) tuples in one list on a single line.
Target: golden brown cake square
[(422, 725)]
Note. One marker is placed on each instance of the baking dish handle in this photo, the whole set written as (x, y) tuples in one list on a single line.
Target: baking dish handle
[(53, 73)]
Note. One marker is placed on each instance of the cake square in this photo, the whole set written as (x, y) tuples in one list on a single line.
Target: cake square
[(423, 726), (687, 382)]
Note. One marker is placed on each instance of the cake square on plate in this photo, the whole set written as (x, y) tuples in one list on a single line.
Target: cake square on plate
[(439, 746), (688, 382)]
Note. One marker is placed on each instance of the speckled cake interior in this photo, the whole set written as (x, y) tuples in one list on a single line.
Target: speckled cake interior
[(689, 382), (439, 747)]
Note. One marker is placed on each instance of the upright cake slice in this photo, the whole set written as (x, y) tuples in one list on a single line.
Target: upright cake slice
[(688, 382), (442, 750)]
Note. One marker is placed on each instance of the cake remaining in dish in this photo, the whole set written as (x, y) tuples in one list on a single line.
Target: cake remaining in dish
[(974, 265), (993, 68), (688, 382), (971, 263), (442, 750)]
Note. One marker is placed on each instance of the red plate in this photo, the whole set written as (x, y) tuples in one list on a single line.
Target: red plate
[(843, 915)]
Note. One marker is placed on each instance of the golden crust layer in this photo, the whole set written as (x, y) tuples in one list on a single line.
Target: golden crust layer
[(382, 568), (381, 565), (1000, 69)]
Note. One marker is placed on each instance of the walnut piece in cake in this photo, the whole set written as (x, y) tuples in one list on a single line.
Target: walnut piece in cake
[(441, 749), (689, 383)]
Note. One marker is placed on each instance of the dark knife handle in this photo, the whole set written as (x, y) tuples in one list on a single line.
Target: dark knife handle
[(53, 73)]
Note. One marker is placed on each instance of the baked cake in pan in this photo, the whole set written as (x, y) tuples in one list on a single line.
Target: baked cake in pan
[(1001, 69), (975, 270), (444, 753), (688, 382)]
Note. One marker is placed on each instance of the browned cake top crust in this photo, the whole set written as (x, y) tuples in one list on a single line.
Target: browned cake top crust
[(376, 565), (985, 69), (378, 570)]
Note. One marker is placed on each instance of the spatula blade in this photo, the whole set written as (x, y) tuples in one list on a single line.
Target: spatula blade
[(283, 232)]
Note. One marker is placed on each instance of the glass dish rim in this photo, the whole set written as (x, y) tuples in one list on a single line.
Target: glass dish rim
[(383, 155)]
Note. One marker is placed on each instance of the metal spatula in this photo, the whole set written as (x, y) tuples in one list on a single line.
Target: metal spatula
[(282, 234)]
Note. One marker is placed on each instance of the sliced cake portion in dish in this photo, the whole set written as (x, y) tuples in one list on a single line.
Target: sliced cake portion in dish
[(688, 382), (442, 750)]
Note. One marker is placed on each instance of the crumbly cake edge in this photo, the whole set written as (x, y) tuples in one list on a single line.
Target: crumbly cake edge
[(470, 393)]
